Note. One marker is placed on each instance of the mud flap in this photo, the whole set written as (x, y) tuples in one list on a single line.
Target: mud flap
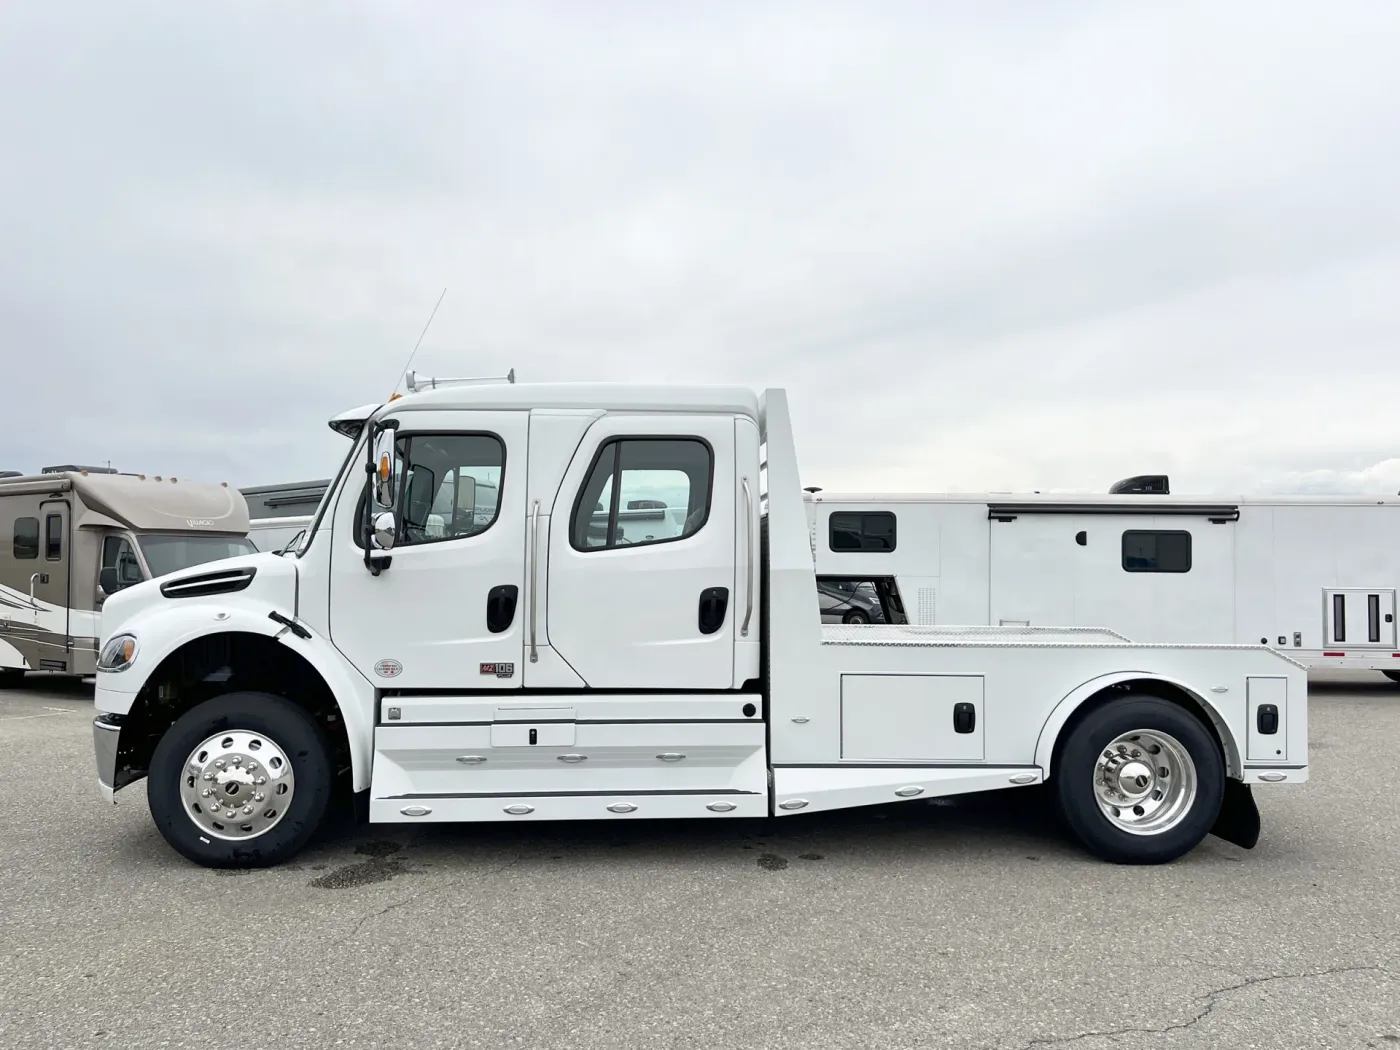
[(1238, 821)]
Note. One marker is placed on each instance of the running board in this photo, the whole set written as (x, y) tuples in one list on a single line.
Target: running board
[(812, 789), (479, 809)]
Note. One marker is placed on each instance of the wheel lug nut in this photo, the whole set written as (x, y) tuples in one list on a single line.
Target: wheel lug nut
[(259, 797), (247, 810), (252, 766), (207, 792), (209, 776), (236, 760), (260, 780), (219, 762)]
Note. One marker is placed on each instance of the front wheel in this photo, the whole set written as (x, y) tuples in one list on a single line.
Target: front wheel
[(1140, 781), (11, 677), (856, 616), (240, 781)]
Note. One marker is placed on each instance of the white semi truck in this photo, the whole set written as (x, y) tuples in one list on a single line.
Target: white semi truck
[(571, 655)]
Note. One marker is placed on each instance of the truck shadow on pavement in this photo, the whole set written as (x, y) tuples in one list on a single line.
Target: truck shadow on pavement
[(1015, 826)]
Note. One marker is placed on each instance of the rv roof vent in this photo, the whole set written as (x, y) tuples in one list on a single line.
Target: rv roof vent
[(1142, 485), (76, 468)]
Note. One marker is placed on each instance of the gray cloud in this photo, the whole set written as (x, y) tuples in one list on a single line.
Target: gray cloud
[(985, 246)]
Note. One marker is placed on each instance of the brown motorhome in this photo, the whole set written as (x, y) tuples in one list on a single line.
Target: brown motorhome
[(69, 538)]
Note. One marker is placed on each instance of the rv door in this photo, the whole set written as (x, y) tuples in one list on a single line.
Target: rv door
[(49, 582)]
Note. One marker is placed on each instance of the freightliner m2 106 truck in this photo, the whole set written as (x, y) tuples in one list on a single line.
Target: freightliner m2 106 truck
[(627, 628)]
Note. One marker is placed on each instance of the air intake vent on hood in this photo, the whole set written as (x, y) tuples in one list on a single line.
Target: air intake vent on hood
[(224, 581)]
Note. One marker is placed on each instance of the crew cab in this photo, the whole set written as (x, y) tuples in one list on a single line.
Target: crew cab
[(528, 602)]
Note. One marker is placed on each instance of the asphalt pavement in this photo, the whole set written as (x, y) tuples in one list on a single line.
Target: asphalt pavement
[(971, 923)]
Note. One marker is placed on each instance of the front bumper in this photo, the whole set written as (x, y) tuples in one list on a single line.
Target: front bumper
[(106, 735)]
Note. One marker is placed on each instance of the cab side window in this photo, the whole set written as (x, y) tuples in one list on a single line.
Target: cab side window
[(449, 487), (643, 491), (120, 568)]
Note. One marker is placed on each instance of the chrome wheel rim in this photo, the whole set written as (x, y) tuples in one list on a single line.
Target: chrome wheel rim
[(237, 785), (1145, 782)]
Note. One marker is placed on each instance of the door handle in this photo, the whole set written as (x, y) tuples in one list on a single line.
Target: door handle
[(714, 601), (748, 559), (500, 607), (534, 573), (964, 718)]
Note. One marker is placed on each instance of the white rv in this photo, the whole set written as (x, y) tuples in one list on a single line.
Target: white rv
[(568, 650), (1314, 576), (71, 538)]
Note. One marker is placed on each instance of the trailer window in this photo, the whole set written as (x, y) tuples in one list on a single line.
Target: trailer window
[(643, 491), (862, 531), (1151, 551), (53, 537), (26, 539)]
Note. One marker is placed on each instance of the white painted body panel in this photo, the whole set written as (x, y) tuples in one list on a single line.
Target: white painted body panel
[(1264, 578)]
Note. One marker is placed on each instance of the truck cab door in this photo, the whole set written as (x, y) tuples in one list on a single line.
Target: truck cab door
[(640, 585), (444, 610)]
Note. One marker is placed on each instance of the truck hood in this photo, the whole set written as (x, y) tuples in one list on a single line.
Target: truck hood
[(266, 578)]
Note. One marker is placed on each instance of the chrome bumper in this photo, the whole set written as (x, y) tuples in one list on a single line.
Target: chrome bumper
[(106, 733)]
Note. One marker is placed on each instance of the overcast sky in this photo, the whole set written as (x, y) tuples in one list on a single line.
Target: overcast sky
[(1008, 245)]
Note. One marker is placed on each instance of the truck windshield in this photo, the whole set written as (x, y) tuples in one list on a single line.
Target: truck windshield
[(167, 553)]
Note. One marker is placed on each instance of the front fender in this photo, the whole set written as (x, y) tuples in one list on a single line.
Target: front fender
[(1072, 701), (162, 631)]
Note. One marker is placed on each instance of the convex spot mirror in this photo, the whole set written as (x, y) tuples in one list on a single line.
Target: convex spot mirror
[(384, 530)]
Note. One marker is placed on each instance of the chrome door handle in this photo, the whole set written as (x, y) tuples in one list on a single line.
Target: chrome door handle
[(534, 575), (32, 581), (748, 559)]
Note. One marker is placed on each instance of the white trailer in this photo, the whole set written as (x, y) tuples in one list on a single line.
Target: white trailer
[(564, 658), (1315, 576)]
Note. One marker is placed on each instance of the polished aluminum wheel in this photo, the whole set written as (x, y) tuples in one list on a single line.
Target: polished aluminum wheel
[(1145, 782), (237, 785)]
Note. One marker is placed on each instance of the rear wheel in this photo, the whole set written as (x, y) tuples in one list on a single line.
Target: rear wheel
[(1140, 780), (1394, 676), (11, 677), (240, 781)]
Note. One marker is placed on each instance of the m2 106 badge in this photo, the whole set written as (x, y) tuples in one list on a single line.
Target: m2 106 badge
[(499, 670)]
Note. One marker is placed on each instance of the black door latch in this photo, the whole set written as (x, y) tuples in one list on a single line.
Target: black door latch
[(714, 601), (964, 718), (500, 607), (1267, 719)]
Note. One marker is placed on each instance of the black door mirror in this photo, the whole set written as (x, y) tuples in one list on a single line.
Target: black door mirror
[(107, 580)]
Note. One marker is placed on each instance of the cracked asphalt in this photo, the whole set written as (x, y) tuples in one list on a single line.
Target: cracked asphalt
[(972, 924)]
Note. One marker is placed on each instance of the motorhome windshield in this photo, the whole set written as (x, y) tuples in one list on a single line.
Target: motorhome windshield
[(167, 553)]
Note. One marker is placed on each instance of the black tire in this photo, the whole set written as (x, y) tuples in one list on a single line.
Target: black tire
[(855, 616), (293, 730), (11, 677), (1394, 676), (1073, 780)]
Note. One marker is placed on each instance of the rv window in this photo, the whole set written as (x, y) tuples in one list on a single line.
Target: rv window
[(53, 537), (119, 565), (863, 531), (1145, 551), (26, 538), (664, 494)]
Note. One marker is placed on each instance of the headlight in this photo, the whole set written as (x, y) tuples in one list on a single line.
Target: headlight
[(118, 654)]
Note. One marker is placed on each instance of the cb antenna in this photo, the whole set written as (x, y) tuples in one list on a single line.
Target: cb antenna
[(416, 345)]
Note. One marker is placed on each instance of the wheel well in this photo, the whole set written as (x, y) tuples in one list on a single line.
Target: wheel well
[(1163, 691), (225, 663)]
